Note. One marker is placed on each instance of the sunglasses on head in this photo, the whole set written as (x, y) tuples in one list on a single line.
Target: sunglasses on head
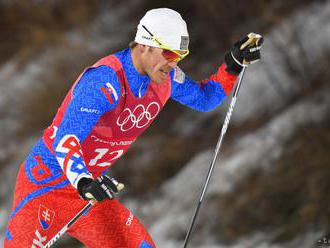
[(168, 53)]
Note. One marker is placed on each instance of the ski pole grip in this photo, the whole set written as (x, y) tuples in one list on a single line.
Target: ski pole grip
[(120, 186)]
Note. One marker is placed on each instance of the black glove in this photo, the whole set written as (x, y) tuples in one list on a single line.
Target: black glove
[(244, 52), (99, 189)]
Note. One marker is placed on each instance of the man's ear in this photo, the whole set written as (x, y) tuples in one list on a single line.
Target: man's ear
[(146, 49)]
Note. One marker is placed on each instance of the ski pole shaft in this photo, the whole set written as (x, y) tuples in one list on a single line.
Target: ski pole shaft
[(218, 146), (67, 226)]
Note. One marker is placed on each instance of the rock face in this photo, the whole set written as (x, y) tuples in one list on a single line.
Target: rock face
[(269, 188)]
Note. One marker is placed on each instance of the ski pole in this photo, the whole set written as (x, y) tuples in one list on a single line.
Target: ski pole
[(118, 187), (217, 148), (67, 226)]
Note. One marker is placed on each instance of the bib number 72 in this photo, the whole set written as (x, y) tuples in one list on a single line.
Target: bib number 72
[(101, 152)]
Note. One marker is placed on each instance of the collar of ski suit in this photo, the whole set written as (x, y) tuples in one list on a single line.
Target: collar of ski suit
[(138, 83)]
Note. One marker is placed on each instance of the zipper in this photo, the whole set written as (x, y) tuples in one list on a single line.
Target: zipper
[(140, 90)]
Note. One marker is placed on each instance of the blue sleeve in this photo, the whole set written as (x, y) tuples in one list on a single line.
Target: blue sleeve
[(96, 92), (199, 95)]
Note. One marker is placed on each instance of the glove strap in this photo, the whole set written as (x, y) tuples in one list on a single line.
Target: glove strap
[(241, 64)]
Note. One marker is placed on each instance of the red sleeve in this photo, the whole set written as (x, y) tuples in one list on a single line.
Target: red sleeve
[(224, 78)]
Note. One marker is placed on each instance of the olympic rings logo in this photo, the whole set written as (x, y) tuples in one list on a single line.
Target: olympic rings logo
[(139, 117)]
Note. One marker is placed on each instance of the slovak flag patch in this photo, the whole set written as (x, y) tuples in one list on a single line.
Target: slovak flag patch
[(45, 216), (109, 91)]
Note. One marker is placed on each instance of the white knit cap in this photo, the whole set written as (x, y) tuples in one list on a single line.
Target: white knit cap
[(166, 25)]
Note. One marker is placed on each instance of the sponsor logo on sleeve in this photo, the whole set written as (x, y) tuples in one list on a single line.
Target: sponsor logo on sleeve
[(90, 111)]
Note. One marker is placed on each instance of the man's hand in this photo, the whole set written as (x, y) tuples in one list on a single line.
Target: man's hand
[(99, 189), (244, 52)]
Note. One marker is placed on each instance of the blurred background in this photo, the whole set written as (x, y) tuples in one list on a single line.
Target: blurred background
[(270, 185)]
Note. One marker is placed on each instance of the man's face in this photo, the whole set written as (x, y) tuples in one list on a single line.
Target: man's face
[(155, 65)]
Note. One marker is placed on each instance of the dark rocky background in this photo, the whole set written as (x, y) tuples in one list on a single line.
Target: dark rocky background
[(278, 199)]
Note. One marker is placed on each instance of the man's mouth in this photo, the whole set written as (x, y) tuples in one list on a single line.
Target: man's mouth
[(165, 72)]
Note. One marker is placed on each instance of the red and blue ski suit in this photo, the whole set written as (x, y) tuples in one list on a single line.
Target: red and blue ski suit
[(107, 108)]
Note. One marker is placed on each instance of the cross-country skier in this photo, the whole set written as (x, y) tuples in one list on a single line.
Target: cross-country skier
[(111, 103)]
